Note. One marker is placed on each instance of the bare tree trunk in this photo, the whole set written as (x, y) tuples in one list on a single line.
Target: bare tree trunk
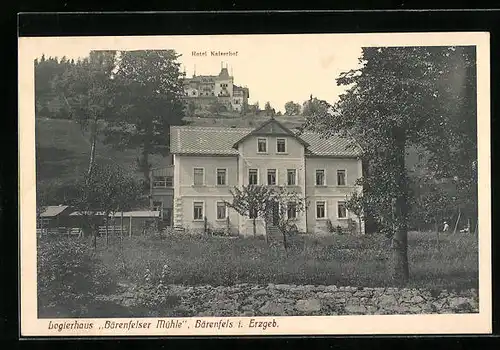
[(285, 245), (146, 150), (121, 227), (93, 136), (401, 272), (265, 231), (254, 227), (438, 244), (95, 238), (458, 219), (359, 222), (107, 223)]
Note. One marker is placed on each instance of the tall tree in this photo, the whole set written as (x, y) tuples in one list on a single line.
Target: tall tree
[(314, 106), (88, 90), (150, 96), (47, 101), (292, 108), (395, 101)]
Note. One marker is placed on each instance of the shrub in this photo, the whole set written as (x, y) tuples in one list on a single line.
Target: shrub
[(219, 232), (329, 226), (351, 226), (339, 230), (69, 276)]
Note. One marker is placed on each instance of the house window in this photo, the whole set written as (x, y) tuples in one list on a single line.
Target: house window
[(221, 177), (320, 210), (221, 210), (252, 177), (340, 177), (198, 210), (292, 210), (320, 177), (271, 177), (341, 210), (261, 145), (198, 176), (281, 145), (291, 177), (169, 181)]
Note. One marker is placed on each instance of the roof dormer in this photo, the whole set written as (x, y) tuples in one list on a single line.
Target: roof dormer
[(272, 127)]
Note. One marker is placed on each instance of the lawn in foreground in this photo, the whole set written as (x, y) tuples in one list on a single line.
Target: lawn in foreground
[(330, 260)]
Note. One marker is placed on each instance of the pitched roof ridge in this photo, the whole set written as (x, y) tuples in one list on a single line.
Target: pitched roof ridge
[(198, 127)]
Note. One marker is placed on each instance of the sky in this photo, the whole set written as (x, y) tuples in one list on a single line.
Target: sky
[(275, 68)]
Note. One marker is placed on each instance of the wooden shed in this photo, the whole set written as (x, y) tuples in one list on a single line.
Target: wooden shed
[(135, 222), (54, 219)]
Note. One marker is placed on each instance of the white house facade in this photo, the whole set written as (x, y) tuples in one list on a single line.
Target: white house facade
[(209, 161)]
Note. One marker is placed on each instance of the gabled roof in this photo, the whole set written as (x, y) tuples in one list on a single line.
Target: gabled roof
[(271, 127), (198, 140), (333, 146), (205, 140), (53, 210)]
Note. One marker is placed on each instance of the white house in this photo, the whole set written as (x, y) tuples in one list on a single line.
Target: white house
[(209, 161)]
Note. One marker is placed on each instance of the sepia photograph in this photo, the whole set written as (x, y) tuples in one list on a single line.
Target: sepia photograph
[(251, 184)]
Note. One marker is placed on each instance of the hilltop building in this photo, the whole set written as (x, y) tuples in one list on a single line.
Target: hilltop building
[(209, 161), (206, 89)]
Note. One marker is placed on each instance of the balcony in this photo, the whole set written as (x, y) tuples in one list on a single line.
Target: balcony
[(162, 177)]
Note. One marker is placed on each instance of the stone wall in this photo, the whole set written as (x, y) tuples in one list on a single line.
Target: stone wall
[(293, 300)]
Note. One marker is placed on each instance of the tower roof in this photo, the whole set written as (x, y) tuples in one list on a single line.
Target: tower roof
[(224, 74)]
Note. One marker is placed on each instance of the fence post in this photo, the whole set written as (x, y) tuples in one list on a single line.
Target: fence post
[(130, 226)]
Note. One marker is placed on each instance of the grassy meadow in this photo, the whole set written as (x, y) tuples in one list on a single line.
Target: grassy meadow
[(328, 260), (63, 149), (73, 277)]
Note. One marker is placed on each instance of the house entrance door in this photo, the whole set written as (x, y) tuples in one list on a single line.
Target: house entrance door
[(167, 216)]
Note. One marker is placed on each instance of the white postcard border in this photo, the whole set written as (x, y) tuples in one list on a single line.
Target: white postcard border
[(346, 325)]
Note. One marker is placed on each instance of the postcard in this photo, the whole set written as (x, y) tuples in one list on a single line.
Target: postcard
[(305, 184)]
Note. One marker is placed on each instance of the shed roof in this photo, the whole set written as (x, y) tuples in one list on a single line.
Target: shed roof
[(53, 210), (139, 214)]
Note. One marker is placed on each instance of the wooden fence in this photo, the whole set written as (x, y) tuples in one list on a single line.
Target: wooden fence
[(78, 231)]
